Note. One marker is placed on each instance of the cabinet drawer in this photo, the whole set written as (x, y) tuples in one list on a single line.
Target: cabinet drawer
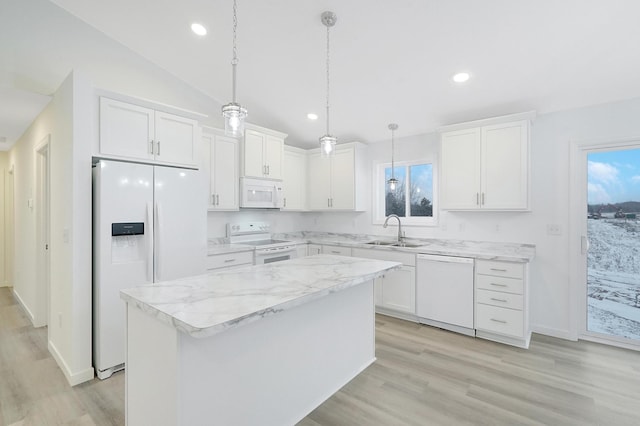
[(497, 298), (406, 259), (499, 320), (500, 269), (340, 251), (230, 259), (509, 285)]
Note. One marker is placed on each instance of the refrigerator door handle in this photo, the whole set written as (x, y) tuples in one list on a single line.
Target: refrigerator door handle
[(149, 246), (156, 236)]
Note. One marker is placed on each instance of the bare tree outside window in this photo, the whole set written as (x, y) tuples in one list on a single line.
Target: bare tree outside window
[(413, 193)]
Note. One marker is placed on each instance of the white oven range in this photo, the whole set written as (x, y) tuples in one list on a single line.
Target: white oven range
[(258, 235)]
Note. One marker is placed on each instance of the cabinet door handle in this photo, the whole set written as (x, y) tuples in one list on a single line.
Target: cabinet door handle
[(483, 198), (217, 199), (498, 285), (498, 320), (151, 147), (158, 148), (213, 199), (328, 204), (499, 300), (284, 202), (331, 202), (268, 170)]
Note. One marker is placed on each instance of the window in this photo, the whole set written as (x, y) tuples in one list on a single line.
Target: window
[(413, 197)]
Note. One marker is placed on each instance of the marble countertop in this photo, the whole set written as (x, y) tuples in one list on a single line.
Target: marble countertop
[(207, 304), (513, 252)]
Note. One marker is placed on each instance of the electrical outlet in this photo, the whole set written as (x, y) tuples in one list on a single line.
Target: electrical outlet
[(462, 227), (553, 229), (497, 228)]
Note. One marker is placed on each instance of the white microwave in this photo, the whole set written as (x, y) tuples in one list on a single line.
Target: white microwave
[(260, 193)]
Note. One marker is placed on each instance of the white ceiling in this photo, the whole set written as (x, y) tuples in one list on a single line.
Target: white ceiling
[(391, 60)]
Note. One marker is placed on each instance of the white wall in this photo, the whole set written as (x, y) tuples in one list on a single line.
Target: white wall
[(6, 225), (67, 120)]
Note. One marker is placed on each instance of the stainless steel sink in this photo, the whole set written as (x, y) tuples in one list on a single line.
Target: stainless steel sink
[(407, 245), (382, 243)]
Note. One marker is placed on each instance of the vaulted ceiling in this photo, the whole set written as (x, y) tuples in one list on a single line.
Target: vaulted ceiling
[(391, 61)]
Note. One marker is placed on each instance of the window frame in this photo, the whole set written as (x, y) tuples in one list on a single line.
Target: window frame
[(379, 193)]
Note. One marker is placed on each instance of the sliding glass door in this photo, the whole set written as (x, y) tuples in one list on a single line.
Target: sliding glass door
[(613, 254)]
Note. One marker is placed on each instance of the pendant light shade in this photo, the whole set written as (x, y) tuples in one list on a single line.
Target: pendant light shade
[(328, 142), (393, 182), (233, 113)]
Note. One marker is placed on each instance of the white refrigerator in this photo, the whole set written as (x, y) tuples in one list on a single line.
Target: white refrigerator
[(149, 225)]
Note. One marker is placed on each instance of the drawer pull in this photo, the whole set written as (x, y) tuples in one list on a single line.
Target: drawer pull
[(498, 270), (498, 320), (498, 285), (229, 260), (499, 300), (335, 252)]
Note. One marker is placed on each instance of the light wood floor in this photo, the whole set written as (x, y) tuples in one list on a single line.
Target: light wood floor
[(423, 376)]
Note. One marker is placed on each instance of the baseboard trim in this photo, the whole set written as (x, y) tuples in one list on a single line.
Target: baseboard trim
[(73, 378), (24, 306), (553, 332)]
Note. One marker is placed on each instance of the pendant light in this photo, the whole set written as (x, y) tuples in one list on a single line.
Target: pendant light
[(234, 114), (393, 182), (328, 142)]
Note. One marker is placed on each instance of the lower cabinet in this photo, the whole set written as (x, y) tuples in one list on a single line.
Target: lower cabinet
[(218, 262), (501, 308), (302, 250), (338, 250), (314, 249), (395, 292)]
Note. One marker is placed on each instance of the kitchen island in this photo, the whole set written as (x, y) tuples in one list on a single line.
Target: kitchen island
[(262, 345)]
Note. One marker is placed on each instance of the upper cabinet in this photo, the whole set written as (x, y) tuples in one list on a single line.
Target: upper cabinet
[(262, 153), (135, 132), (338, 182), (486, 167), (294, 179), (221, 163)]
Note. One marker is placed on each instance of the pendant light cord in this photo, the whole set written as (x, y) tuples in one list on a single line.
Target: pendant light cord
[(234, 61), (328, 79), (393, 176)]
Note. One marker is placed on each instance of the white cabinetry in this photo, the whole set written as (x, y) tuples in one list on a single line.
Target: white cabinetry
[(229, 260), (221, 162), (395, 292), (337, 250), (262, 153), (135, 132), (485, 167), (338, 182), (294, 179), (501, 307), (314, 249)]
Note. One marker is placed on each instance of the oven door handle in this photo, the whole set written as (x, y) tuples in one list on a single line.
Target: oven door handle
[(279, 250)]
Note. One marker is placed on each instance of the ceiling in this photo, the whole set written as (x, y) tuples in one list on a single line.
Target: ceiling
[(391, 61)]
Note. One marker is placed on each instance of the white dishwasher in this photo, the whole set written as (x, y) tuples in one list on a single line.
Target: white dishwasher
[(444, 292)]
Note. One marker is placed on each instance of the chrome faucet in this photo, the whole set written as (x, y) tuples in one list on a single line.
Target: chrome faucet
[(400, 233)]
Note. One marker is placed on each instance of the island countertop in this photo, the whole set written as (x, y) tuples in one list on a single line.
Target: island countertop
[(207, 304)]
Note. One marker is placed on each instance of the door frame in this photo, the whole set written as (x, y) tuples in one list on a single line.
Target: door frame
[(578, 234), (43, 232)]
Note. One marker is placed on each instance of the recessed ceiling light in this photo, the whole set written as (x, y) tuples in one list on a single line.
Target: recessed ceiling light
[(461, 77), (312, 116), (198, 29)]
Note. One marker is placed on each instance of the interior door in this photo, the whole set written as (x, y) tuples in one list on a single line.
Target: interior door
[(613, 256)]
